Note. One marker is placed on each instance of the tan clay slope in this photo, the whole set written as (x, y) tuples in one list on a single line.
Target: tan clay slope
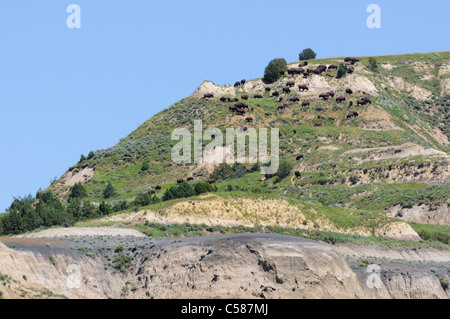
[(214, 210)]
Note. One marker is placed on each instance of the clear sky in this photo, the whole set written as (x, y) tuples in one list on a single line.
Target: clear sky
[(64, 92)]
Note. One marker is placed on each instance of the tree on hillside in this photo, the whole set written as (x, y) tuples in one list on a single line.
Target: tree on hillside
[(273, 70), (109, 191), (342, 71), (307, 54), (77, 191), (373, 64)]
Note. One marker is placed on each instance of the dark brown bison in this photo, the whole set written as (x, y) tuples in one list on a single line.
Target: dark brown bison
[(303, 87), (352, 114), (349, 91), (243, 82), (321, 117), (332, 66), (290, 84), (303, 63), (235, 99), (286, 90), (305, 103), (208, 95), (294, 99), (330, 93), (281, 107), (294, 131), (258, 96), (211, 181), (363, 101), (299, 157), (293, 71), (180, 180), (245, 128), (240, 112), (275, 93), (267, 89), (158, 187), (324, 96), (332, 119), (249, 119), (152, 192), (350, 104), (340, 99), (266, 114), (237, 84), (298, 174), (241, 105), (351, 70), (232, 108), (224, 99), (190, 178), (244, 97), (318, 123)]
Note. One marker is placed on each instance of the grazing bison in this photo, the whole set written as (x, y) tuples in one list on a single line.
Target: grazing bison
[(258, 96), (240, 112), (249, 119), (352, 114), (290, 84), (294, 131), (180, 180), (211, 181), (275, 93), (245, 128), (281, 98), (303, 63), (267, 89), (208, 95), (152, 192), (303, 87), (158, 187), (363, 101), (224, 99), (281, 107), (298, 174), (243, 82), (305, 103), (190, 178), (286, 90), (294, 99), (349, 91), (351, 70), (340, 99), (332, 119), (318, 123), (324, 96), (237, 84), (321, 117), (294, 71), (244, 97), (232, 108), (299, 157), (330, 93), (332, 66), (350, 104), (267, 114), (241, 105)]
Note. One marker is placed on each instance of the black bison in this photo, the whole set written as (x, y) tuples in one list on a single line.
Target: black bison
[(293, 71), (349, 91), (318, 123), (321, 117), (224, 99), (299, 157), (211, 181), (267, 89), (244, 97), (240, 112), (180, 180), (275, 93), (330, 93), (152, 192), (208, 95), (294, 131), (281, 107), (305, 103), (350, 104), (241, 105), (363, 101), (237, 84), (245, 128), (324, 96), (303, 63), (190, 178), (352, 114), (243, 82), (294, 99), (249, 119), (332, 66), (351, 70), (298, 174), (303, 87), (158, 187), (340, 99), (286, 90), (258, 96), (290, 84)]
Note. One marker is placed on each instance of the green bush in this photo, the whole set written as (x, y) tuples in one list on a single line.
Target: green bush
[(109, 191), (146, 199), (203, 187), (342, 71), (284, 169), (273, 70), (183, 190), (307, 54), (373, 64), (77, 191)]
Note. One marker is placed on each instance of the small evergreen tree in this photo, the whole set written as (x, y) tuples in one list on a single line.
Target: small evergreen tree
[(109, 191), (90, 155), (373, 64), (273, 70), (203, 187), (77, 191), (342, 71), (145, 167), (307, 54)]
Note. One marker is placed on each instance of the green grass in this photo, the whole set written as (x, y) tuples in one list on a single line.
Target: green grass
[(440, 233)]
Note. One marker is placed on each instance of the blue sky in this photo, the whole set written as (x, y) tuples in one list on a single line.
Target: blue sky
[(64, 92)]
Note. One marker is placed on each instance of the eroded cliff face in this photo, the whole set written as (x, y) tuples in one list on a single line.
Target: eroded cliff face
[(235, 266)]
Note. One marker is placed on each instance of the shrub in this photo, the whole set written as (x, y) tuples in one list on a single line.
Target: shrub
[(77, 191), (183, 190), (284, 169), (222, 172), (145, 167), (203, 187), (146, 199), (373, 64), (90, 155), (109, 191), (307, 54), (273, 70), (342, 71)]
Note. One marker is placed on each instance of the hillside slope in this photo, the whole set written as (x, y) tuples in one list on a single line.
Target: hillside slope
[(387, 163)]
